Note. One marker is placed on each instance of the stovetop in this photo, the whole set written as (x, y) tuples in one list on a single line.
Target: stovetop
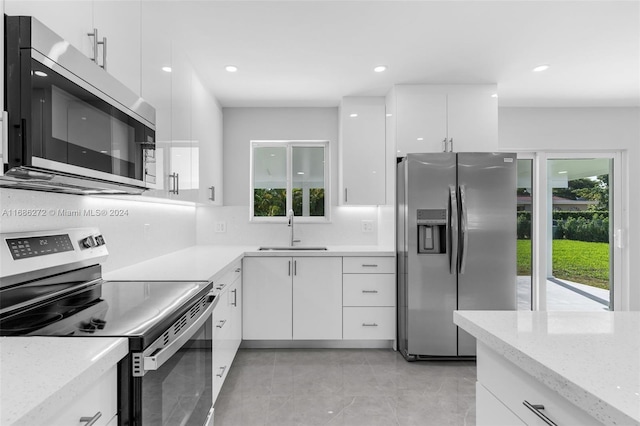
[(139, 310)]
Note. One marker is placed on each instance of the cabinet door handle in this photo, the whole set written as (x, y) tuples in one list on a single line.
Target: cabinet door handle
[(222, 370), (373, 324), (212, 189), (369, 291), (176, 183), (537, 410), (238, 269), (444, 145), (370, 265), (88, 421), (220, 286), (221, 323), (94, 34), (289, 273), (345, 195), (295, 267), (235, 296), (104, 53)]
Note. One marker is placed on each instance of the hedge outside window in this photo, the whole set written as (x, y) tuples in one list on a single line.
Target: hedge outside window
[(289, 175)]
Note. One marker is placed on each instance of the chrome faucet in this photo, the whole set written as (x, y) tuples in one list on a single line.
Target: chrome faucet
[(291, 214)]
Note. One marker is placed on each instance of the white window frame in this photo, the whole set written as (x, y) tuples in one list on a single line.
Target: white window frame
[(289, 144)]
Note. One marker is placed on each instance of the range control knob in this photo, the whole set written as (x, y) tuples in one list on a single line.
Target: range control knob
[(100, 240), (88, 242)]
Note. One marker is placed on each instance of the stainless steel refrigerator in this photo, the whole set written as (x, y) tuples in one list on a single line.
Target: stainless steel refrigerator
[(456, 245)]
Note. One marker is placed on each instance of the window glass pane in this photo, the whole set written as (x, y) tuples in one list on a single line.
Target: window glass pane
[(308, 180), (578, 275), (524, 231), (270, 181)]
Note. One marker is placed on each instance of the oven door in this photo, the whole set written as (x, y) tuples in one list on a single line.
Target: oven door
[(176, 386)]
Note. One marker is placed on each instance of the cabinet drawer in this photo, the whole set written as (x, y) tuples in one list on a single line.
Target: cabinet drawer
[(368, 290), (513, 386), (369, 265), (369, 323), (491, 412), (101, 396), (227, 278)]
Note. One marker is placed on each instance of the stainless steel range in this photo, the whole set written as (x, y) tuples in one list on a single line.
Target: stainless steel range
[(51, 285)]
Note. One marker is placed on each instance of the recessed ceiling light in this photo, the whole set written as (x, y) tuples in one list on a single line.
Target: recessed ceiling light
[(40, 73), (420, 139), (354, 115), (300, 173), (540, 68), (495, 95), (380, 68), (231, 68), (563, 172), (166, 69), (389, 115)]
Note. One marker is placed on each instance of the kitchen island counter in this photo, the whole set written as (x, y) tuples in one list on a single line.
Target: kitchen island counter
[(41, 375), (205, 262), (592, 359)]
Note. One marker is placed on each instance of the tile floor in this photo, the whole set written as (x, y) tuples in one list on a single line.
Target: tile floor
[(344, 387)]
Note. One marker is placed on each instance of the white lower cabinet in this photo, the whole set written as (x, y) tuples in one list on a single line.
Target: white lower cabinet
[(369, 298), (297, 298), (526, 398), (227, 325), (99, 400)]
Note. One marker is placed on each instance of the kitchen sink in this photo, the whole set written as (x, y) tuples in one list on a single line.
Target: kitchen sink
[(294, 248)]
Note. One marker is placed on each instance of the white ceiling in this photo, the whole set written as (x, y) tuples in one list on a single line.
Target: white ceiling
[(312, 53)]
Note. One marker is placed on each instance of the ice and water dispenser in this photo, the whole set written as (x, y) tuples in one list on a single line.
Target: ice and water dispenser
[(432, 231)]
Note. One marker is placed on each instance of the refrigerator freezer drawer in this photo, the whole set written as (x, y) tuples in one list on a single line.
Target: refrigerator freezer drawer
[(369, 290), (369, 265), (369, 323)]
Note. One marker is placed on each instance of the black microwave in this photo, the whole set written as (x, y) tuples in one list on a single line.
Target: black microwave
[(69, 125)]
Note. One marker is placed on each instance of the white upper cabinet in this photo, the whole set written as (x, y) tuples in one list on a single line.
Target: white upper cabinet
[(362, 151), (206, 132), (117, 21), (428, 115)]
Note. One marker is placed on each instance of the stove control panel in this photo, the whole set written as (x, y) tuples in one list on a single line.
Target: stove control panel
[(39, 246)]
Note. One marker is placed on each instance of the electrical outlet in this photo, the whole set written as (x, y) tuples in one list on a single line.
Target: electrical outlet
[(221, 227), (367, 226)]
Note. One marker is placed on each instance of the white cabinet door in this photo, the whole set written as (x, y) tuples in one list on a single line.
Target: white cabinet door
[(206, 138), (119, 22), (473, 118), (71, 20), (267, 298), (421, 119), (221, 343), (317, 298), (362, 151)]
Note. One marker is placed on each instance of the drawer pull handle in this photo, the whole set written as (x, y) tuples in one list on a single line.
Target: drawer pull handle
[(235, 297), (537, 410), (364, 324), (369, 265), (222, 370), (90, 420), (370, 291), (220, 286), (238, 269), (221, 323)]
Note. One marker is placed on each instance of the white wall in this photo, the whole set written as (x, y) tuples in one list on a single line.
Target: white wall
[(171, 226), (240, 126), (587, 129)]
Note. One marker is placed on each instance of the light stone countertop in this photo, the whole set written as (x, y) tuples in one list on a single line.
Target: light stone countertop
[(40, 375), (590, 358), (206, 262)]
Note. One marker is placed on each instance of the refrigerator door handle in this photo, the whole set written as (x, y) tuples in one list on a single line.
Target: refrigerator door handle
[(452, 230), (464, 228)]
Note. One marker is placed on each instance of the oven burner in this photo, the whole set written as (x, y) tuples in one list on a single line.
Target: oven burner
[(26, 323)]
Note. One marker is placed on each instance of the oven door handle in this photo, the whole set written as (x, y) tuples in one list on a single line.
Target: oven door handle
[(155, 361)]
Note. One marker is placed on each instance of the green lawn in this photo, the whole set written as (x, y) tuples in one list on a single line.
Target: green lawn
[(578, 261)]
